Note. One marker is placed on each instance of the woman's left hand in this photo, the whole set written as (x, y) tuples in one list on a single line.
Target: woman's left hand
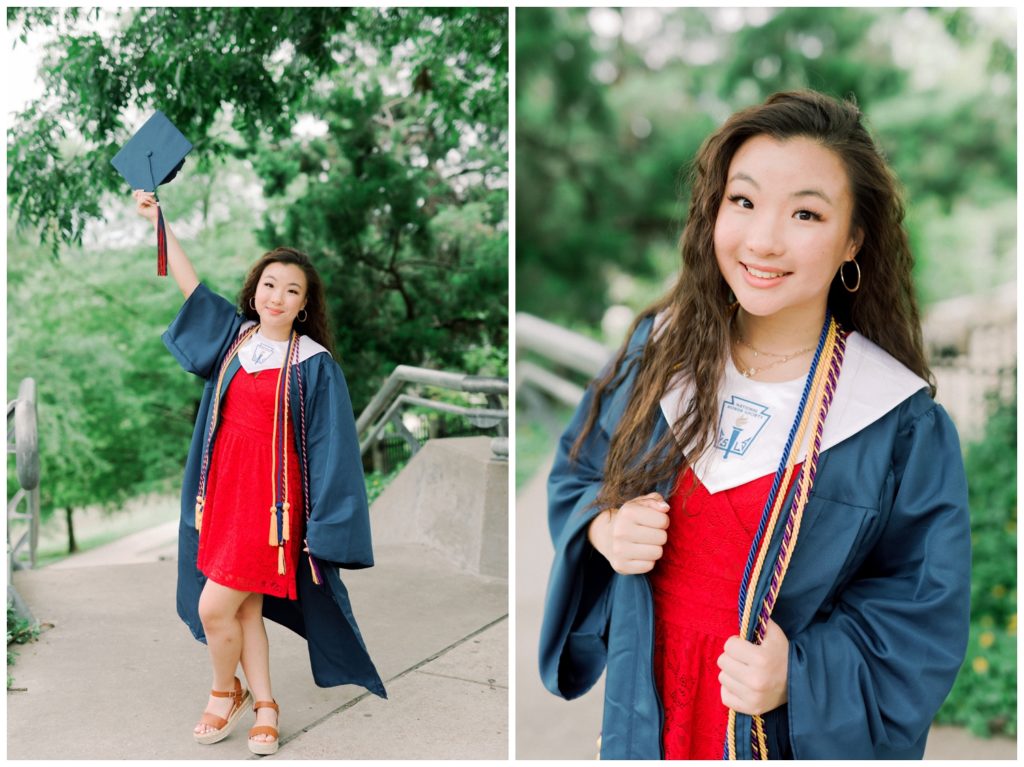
[(754, 676)]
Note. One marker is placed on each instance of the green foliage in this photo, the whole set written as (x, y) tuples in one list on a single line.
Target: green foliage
[(984, 697), (115, 411), (401, 202), (377, 482), (612, 105), (398, 192), (534, 444), (19, 631)]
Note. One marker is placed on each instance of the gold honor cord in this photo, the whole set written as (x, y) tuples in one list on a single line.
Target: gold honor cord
[(201, 493), (815, 411), (279, 532)]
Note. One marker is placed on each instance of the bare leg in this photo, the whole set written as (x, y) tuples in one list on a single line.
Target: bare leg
[(256, 658), (218, 610)]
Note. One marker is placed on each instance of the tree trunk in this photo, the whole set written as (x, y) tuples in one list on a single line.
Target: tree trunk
[(72, 544)]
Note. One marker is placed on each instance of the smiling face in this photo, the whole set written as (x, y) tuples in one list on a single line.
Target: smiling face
[(784, 228), (280, 296)]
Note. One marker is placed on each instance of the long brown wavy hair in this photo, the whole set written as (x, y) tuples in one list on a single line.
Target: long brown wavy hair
[(316, 324), (694, 336)]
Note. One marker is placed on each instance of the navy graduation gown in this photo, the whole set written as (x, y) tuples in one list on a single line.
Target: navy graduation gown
[(875, 603), (338, 530)]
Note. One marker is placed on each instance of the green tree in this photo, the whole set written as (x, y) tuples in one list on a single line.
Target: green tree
[(398, 192), (612, 105), (415, 103)]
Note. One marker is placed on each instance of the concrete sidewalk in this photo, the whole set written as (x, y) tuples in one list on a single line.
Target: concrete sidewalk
[(118, 676), (548, 727)]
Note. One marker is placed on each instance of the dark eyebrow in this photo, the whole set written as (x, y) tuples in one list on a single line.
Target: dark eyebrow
[(743, 177), (293, 284), (813, 193), (802, 193)]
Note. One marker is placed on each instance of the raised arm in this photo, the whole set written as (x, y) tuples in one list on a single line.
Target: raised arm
[(177, 262)]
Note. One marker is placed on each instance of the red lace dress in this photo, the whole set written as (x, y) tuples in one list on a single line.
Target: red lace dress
[(234, 542), (696, 587)]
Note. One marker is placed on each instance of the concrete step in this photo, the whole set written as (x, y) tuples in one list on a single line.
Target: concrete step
[(118, 676)]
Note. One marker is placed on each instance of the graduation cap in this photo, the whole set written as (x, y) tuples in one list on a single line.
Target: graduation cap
[(153, 156)]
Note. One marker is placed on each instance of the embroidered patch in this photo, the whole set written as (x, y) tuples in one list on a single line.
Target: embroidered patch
[(739, 424), (261, 352)]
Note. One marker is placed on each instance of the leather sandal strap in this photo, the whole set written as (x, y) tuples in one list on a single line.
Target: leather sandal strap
[(266, 704), (235, 693), (216, 722), (263, 729)]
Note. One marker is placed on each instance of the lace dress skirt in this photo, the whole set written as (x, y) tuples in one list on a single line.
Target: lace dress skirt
[(234, 542), (696, 588)]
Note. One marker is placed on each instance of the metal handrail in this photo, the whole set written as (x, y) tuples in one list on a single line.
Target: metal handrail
[(23, 441), (559, 345), (387, 403)]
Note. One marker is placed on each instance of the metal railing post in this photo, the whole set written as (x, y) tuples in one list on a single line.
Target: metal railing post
[(23, 441), (386, 405)]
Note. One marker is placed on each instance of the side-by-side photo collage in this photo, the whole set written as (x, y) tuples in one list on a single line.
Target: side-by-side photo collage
[(511, 383)]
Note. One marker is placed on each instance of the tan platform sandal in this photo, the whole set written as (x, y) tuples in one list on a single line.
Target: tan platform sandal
[(270, 746), (223, 727)]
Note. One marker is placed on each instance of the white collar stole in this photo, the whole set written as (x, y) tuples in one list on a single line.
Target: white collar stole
[(260, 353), (756, 418)]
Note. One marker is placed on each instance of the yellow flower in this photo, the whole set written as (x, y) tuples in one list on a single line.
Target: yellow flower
[(980, 665), (998, 590), (986, 639), (1011, 625)]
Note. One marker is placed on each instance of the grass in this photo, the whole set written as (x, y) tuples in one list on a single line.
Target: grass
[(536, 439), (19, 631), (96, 527)]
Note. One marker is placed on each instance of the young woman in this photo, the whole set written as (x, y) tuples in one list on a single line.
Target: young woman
[(274, 433), (759, 512)]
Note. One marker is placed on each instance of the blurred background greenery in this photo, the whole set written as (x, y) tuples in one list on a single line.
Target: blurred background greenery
[(611, 106), (376, 140)]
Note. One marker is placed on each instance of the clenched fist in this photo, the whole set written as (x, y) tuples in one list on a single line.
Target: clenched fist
[(631, 537), (146, 205), (755, 676)]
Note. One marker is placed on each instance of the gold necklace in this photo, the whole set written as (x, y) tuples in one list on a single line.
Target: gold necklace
[(751, 371)]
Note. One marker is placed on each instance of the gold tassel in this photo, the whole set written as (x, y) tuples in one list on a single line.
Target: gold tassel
[(312, 571), (199, 513), (280, 560), (273, 526), (285, 533)]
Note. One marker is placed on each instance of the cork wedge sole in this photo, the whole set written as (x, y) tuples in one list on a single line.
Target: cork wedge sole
[(224, 727), (270, 746)]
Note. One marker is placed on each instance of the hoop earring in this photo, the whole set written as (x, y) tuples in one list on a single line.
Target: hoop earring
[(252, 303), (842, 276), (302, 319)]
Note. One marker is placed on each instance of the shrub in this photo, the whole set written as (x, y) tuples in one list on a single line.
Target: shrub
[(984, 697)]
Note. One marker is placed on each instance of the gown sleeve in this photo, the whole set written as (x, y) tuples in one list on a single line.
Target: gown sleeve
[(867, 681), (203, 331), (338, 530), (577, 608)]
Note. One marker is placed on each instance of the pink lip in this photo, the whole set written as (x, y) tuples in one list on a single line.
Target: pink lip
[(762, 282), (274, 311)]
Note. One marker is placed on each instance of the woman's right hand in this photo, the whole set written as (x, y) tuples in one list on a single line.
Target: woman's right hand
[(146, 205), (631, 537)]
